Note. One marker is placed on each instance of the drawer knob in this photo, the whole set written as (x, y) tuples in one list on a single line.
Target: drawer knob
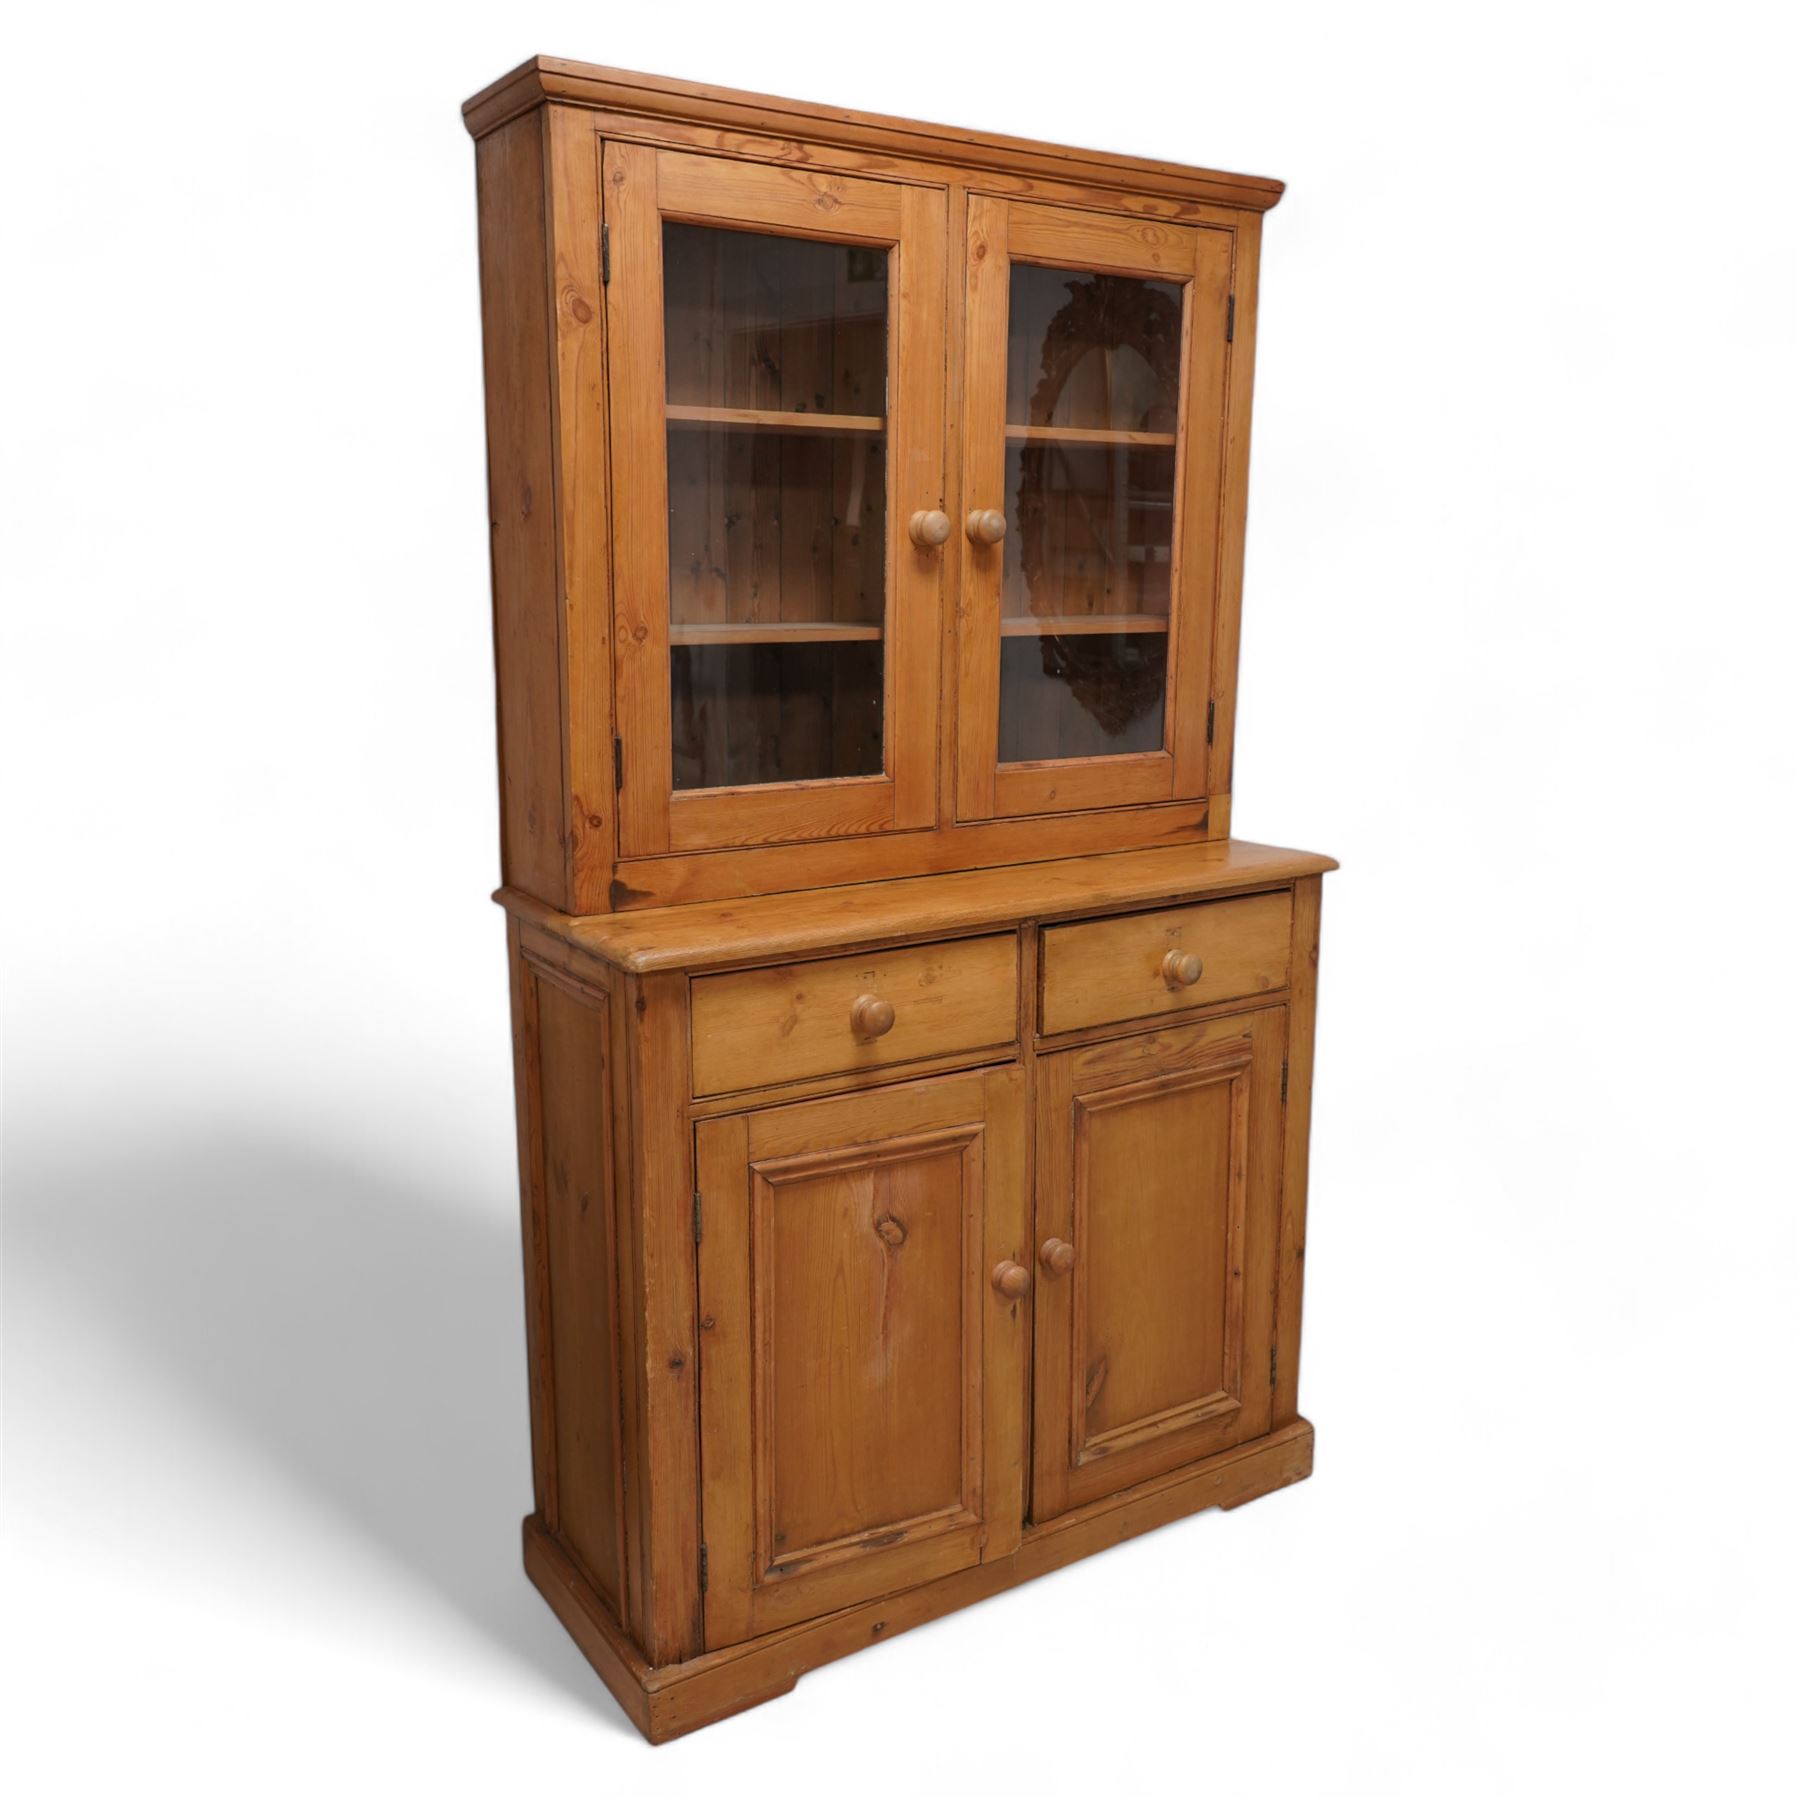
[(1181, 968), (872, 1016), (1012, 1280), (985, 526), (929, 529), (1057, 1255)]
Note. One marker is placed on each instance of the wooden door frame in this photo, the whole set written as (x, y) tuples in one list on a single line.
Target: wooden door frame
[(641, 186), (999, 232)]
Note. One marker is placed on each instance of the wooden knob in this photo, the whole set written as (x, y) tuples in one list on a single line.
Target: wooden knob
[(872, 1016), (1181, 968), (1012, 1280), (1057, 1256), (985, 526), (929, 529)]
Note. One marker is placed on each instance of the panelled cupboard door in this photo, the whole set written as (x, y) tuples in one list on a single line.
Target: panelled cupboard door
[(775, 357), (1094, 415), (1158, 1207), (862, 1348)]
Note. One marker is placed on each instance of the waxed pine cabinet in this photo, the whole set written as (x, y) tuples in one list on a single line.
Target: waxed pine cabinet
[(912, 1072)]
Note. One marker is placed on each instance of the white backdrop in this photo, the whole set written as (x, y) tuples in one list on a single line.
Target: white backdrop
[(1519, 648)]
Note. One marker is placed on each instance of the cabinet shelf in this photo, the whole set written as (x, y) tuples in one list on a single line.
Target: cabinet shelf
[(1082, 624), (755, 418), (1077, 434), (803, 631)]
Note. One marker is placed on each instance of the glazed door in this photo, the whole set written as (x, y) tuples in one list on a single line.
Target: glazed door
[(1158, 1202), (1094, 395), (862, 1376), (775, 347)]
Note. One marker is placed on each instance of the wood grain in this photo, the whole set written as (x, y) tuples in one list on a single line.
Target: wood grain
[(663, 1471), (986, 273), (776, 927), (1068, 189), (1077, 434), (797, 1019), (516, 340), (665, 1703), (1081, 624), (1067, 238), (1048, 779), (810, 202), (528, 1115), (636, 376), (1199, 521), (651, 882), (750, 418), (583, 497), (916, 575), (846, 1364), (1297, 1135), (1083, 785), (1110, 969), (1228, 622), (737, 113), (779, 632), (1159, 1159), (575, 1116)]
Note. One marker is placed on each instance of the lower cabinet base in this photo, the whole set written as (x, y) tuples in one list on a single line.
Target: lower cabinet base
[(666, 1702)]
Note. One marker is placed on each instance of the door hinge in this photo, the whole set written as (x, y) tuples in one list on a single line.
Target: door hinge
[(696, 1215), (605, 254), (1212, 706), (1230, 317), (1273, 1353), (703, 1559), (618, 764), (1284, 1063)]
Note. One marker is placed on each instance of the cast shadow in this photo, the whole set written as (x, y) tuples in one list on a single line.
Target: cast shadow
[(364, 1335)]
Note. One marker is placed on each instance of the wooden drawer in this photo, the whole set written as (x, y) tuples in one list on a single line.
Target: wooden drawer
[(764, 1026), (1104, 970)]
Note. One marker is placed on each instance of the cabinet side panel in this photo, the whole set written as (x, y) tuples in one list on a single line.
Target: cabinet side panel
[(528, 1096), (1290, 1268), (515, 330), (578, 1222), (572, 168), (662, 1451)]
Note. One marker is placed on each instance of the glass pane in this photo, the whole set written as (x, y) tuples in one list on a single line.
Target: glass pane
[(777, 445), (1093, 390)]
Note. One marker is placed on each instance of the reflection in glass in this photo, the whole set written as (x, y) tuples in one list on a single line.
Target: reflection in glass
[(776, 351), (1092, 400)]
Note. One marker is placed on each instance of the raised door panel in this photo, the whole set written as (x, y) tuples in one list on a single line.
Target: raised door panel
[(862, 1378), (574, 1280), (1159, 1177), (1096, 354), (775, 343)]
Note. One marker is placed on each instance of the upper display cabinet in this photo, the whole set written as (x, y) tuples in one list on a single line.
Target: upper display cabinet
[(867, 497)]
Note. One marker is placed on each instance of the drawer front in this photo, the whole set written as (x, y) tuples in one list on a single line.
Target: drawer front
[(765, 1026), (1144, 965)]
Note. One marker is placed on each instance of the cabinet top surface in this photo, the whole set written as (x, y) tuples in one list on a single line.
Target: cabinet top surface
[(661, 97), (772, 927)]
